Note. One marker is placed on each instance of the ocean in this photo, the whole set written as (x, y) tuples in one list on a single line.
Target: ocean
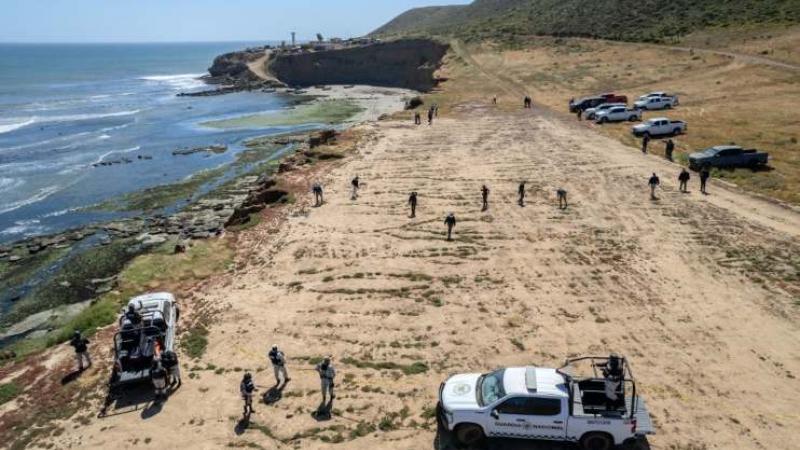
[(65, 108)]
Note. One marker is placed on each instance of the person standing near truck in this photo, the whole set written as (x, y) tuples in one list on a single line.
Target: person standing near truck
[(683, 179), (158, 375), (705, 174), (670, 147), (645, 141)]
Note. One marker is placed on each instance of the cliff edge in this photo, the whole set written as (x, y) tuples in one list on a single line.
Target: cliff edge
[(404, 63)]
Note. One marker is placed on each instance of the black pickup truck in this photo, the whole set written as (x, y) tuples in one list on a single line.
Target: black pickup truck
[(727, 156)]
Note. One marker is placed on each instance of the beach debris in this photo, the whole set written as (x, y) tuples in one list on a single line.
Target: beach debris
[(216, 148)]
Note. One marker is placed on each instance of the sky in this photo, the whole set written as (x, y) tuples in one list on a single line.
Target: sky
[(194, 20)]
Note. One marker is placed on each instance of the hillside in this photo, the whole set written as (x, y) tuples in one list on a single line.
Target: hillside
[(631, 20)]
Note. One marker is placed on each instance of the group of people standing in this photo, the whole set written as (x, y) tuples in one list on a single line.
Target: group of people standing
[(683, 181), (433, 112), (325, 370)]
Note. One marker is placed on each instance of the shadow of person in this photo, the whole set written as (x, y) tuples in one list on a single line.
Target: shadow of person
[(70, 377), (152, 410), (274, 394), (323, 412), (241, 425)]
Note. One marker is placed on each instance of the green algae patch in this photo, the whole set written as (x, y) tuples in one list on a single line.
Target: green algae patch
[(323, 111)]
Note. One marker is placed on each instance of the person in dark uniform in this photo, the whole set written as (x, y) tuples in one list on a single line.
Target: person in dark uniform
[(485, 196), (579, 113), (683, 179), (705, 174), (669, 149), (430, 116), (645, 141), (450, 221), (654, 182), (417, 118), (521, 193), (355, 183), (613, 376), (562, 198), (412, 201), (81, 346), (317, 189), (133, 316), (158, 375), (247, 387), (170, 362)]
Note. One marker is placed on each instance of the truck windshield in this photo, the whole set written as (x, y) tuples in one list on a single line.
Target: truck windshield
[(490, 387)]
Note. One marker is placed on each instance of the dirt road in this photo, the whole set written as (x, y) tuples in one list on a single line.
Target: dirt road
[(700, 292)]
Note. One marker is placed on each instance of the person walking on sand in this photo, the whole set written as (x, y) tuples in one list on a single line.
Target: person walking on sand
[(485, 196), (521, 193), (670, 147), (436, 110), (494, 100), (412, 201), (417, 118), (705, 174), (562, 198), (355, 184), (430, 116), (645, 141), (654, 182), (81, 346), (246, 388), (683, 179), (450, 221), (326, 375), (317, 189)]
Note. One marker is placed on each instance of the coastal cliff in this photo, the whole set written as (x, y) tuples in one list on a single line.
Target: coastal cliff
[(405, 63)]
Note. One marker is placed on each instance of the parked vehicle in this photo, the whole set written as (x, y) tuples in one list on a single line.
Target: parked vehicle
[(662, 94), (546, 404), (654, 103), (728, 156), (585, 103), (589, 114), (618, 114), (582, 104), (660, 126), (615, 98), (136, 346)]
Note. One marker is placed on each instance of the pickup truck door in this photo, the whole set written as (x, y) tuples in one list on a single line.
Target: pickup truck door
[(529, 418)]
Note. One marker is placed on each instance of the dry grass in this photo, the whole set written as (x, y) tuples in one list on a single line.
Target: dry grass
[(723, 99)]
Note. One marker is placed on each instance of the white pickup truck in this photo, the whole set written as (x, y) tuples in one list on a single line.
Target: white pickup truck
[(590, 113), (617, 114), (659, 126), (548, 404), (651, 103)]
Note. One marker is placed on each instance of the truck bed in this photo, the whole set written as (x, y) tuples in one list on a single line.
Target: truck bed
[(644, 425)]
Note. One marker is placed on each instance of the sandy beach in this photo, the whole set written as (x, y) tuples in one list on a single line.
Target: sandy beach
[(674, 284)]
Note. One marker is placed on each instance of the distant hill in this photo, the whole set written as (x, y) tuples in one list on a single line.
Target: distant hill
[(630, 20)]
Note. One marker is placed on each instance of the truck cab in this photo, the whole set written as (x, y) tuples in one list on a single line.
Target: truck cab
[(542, 403)]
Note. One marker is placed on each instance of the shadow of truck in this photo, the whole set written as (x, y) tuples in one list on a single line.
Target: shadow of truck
[(445, 440)]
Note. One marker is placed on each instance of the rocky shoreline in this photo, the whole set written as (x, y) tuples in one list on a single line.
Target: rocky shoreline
[(38, 260)]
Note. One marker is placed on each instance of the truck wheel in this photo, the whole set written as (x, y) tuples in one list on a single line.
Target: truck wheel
[(469, 434), (676, 131), (604, 120), (632, 119), (667, 106), (596, 441)]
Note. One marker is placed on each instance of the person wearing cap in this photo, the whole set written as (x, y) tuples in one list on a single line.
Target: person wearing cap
[(278, 360), (326, 375)]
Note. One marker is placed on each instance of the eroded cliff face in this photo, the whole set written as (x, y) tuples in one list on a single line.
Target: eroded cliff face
[(233, 66), (407, 63)]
